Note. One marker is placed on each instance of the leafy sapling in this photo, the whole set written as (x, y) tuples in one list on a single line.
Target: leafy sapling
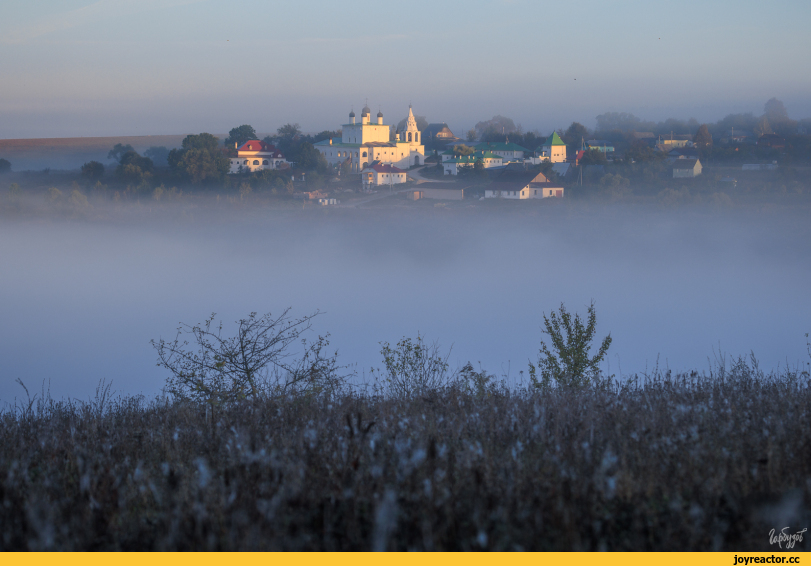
[(567, 361)]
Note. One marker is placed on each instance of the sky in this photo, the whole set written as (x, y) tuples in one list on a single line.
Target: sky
[(145, 67)]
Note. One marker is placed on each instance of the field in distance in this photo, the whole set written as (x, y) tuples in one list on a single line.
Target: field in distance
[(71, 153)]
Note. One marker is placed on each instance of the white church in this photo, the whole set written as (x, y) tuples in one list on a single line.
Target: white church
[(362, 143)]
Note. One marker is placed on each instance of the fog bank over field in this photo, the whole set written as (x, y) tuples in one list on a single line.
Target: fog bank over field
[(80, 300)]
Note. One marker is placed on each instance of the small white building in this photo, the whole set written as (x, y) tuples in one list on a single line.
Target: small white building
[(507, 150), (382, 174), (686, 168), (453, 163), (521, 186), (553, 149), (256, 155)]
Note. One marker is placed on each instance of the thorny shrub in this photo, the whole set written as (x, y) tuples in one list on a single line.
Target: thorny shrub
[(659, 462)]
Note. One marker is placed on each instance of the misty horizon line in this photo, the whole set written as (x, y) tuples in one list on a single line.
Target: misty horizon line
[(337, 124)]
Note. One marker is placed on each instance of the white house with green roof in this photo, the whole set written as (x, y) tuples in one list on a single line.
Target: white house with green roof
[(553, 149), (362, 143), (488, 159), (507, 150)]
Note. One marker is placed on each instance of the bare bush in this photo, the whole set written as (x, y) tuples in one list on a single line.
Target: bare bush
[(413, 367), (258, 361)]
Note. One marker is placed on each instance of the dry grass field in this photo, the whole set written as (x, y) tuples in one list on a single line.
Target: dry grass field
[(667, 463), (71, 153)]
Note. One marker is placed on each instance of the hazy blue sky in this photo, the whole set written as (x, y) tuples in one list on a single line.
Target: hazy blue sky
[(133, 67)]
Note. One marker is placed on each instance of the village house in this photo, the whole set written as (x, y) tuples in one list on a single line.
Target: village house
[(600, 145), (522, 185), (362, 143), (773, 141), (439, 191), (382, 174), (438, 135), (507, 150), (675, 142), (686, 168), (256, 155), (452, 163), (553, 149)]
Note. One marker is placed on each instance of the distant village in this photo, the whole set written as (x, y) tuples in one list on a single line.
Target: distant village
[(434, 163), (365, 148), (623, 157)]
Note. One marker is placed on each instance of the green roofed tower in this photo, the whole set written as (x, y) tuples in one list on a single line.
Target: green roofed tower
[(553, 149)]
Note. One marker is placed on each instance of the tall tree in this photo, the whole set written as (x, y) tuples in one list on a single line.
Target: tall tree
[(92, 170), (775, 111), (289, 131), (200, 165), (240, 135), (158, 154), (201, 141), (308, 158), (703, 139), (498, 124), (763, 127), (574, 134), (471, 135), (119, 150), (200, 158)]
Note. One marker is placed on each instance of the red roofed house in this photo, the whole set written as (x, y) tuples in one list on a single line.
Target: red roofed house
[(256, 155), (382, 174)]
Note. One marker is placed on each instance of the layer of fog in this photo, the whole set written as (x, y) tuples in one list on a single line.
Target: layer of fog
[(79, 301)]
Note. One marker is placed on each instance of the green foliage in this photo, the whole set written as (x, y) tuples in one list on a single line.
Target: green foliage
[(325, 135), (568, 362), (288, 131), (199, 165), (622, 121), (53, 195), (199, 159), (463, 150), (92, 171), (498, 125), (775, 110), (763, 127), (478, 383), (472, 135), (158, 154), (703, 138), (258, 361), (5, 166), (575, 134), (133, 168), (306, 157), (414, 367), (119, 150), (240, 135), (78, 200), (593, 157), (616, 180), (201, 141)]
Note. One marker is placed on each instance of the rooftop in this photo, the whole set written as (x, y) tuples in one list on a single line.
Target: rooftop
[(500, 146), (554, 139)]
